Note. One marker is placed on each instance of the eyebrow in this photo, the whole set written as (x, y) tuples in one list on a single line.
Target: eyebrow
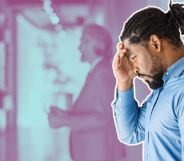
[(129, 53)]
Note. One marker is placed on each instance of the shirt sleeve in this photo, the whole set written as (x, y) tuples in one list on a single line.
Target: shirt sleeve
[(180, 117), (129, 118)]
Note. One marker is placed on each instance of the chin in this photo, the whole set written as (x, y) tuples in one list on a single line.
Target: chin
[(155, 84)]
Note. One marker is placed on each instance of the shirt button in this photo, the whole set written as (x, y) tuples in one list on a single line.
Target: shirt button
[(167, 73), (119, 99)]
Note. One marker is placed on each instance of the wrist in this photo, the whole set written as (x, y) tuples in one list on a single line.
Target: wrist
[(124, 86)]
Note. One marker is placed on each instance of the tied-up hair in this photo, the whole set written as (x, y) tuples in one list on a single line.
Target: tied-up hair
[(177, 14), (144, 23)]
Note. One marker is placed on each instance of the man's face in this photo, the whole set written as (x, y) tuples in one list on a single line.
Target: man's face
[(86, 47), (146, 63)]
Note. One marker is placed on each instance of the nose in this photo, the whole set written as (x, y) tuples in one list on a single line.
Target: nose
[(136, 70), (80, 47)]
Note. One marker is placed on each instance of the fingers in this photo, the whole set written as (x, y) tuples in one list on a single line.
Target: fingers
[(54, 109), (53, 122), (120, 45), (116, 62), (57, 112), (118, 58), (121, 50)]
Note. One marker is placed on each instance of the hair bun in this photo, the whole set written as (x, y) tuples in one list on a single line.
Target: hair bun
[(177, 13)]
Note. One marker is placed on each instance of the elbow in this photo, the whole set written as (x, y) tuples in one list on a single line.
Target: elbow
[(130, 140), (125, 140)]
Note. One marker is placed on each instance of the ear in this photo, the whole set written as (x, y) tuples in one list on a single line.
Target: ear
[(155, 43)]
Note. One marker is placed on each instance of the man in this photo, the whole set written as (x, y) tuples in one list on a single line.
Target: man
[(93, 136), (151, 48)]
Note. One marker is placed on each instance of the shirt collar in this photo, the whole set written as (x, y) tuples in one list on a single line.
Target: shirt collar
[(95, 63), (174, 70)]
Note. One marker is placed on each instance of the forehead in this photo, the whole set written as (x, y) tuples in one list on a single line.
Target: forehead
[(138, 48)]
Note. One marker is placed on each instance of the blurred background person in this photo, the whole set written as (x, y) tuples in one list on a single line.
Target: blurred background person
[(93, 135)]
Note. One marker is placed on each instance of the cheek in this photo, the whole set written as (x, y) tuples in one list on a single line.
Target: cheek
[(145, 64)]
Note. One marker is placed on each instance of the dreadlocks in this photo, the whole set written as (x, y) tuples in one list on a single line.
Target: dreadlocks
[(151, 21)]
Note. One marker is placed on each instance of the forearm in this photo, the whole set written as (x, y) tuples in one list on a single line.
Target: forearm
[(124, 86), (126, 115), (84, 121)]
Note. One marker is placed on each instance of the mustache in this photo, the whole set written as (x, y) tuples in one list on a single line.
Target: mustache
[(144, 75)]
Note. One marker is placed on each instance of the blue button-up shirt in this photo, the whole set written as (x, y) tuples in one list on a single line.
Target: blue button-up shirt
[(160, 120)]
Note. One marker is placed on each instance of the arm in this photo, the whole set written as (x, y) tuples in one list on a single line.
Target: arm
[(84, 121), (180, 117), (129, 118), (100, 96), (97, 112), (76, 120)]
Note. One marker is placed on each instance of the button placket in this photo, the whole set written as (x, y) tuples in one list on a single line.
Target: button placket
[(150, 107)]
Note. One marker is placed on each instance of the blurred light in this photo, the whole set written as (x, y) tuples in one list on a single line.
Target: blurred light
[(54, 18), (47, 2), (48, 10)]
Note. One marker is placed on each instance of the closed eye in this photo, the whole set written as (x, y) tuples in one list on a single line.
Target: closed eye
[(132, 58)]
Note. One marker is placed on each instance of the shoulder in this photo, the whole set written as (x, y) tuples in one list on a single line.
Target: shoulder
[(104, 68), (177, 92), (175, 84), (103, 75)]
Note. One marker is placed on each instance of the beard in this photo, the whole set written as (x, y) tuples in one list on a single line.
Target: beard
[(156, 80)]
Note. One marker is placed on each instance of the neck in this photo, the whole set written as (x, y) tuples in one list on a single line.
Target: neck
[(172, 55), (93, 59)]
